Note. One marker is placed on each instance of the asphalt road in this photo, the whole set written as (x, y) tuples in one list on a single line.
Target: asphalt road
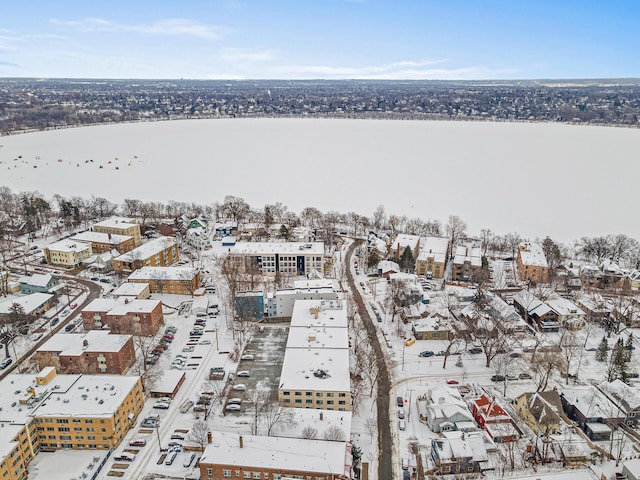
[(385, 444)]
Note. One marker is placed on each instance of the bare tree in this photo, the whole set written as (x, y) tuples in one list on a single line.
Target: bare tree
[(259, 400), (455, 228), (543, 366), (276, 417), (335, 434), (11, 323), (199, 434), (309, 433)]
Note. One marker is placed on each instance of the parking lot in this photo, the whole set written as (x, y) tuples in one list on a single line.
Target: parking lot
[(267, 349)]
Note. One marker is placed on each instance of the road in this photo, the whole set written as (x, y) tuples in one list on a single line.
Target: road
[(385, 443)]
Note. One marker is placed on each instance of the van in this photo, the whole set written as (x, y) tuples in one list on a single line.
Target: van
[(402, 425), (170, 458)]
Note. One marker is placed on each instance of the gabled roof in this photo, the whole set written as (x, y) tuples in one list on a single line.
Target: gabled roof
[(545, 407)]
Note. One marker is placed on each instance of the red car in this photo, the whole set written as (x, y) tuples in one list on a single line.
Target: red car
[(137, 443), (452, 382)]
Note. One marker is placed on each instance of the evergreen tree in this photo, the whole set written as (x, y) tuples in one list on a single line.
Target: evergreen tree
[(373, 259), (602, 352), (406, 260)]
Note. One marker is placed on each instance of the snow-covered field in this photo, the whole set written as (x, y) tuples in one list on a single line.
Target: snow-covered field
[(535, 179)]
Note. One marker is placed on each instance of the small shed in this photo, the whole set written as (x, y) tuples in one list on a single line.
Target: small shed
[(169, 384)]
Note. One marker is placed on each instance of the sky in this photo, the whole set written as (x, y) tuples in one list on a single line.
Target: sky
[(320, 39)]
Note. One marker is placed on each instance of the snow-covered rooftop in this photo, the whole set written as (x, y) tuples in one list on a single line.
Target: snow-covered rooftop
[(147, 250), (532, 255), (129, 289), (404, 240), (299, 365), (470, 254), (121, 306), (73, 343), (319, 313), (272, 248), (36, 280), (317, 337), (276, 453), (591, 402), (116, 222), (563, 307), (68, 246), (29, 303), (321, 420), (319, 283), (100, 237), (163, 273)]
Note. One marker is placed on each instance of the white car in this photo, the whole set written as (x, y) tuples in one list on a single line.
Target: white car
[(162, 406), (244, 373), (233, 407), (239, 387), (205, 342), (247, 357), (187, 349)]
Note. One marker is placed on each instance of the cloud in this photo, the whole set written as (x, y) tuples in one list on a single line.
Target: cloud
[(229, 54), (403, 70), (8, 64), (168, 27)]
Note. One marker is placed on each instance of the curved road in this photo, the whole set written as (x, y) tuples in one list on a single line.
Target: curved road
[(385, 445)]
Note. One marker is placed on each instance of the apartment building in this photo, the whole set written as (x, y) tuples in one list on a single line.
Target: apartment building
[(120, 226), (47, 412), (315, 370), (96, 351), (467, 263), (432, 259), (105, 242), (401, 243), (67, 253), (532, 263), (160, 252), (174, 280), (230, 455), (123, 316), (269, 258)]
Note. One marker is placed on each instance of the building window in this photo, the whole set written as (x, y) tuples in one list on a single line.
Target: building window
[(226, 473), (256, 475), (247, 474)]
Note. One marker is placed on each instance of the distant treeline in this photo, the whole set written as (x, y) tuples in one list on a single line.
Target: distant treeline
[(30, 104)]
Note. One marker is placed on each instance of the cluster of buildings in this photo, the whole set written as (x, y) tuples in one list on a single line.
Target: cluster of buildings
[(315, 376)]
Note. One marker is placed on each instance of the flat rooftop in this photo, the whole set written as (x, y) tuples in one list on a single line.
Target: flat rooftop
[(317, 337), (276, 453), (29, 302), (68, 246), (116, 222), (73, 343), (163, 273), (129, 289), (147, 250), (100, 237), (281, 248), (120, 306), (299, 365), (319, 313)]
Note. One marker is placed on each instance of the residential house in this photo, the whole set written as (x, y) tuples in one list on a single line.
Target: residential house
[(541, 411), (432, 259), (386, 268), (67, 253), (159, 252), (431, 328), (494, 419), (231, 455), (402, 242), (32, 304), (443, 417), (171, 280), (569, 314), (37, 283), (593, 411), (467, 263), (458, 453), (511, 320), (536, 312), (198, 238), (126, 227), (96, 351), (626, 397), (532, 263), (132, 291)]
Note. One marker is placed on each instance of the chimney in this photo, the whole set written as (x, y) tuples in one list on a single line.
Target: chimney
[(85, 343), (241, 442), (209, 438)]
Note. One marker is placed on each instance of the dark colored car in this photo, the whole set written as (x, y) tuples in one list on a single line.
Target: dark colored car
[(400, 401), (475, 350), (426, 353), (497, 378)]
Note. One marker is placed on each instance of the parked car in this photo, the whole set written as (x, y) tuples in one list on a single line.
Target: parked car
[(401, 413), (69, 327), (239, 387), (36, 336), (236, 400), (54, 321), (247, 357), (137, 443), (162, 406), (205, 342), (524, 376), (400, 401), (5, 363), (452, 382), (65, 313), (233, 407), (475, 350), (402, 425), (124, 457), (498, 378), (426, 353), (196, 333), (171, 458), (244, 373), (189, 460), (188, 349)]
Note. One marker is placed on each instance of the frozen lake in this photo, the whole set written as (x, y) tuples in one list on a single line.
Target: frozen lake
[(535, 179)]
